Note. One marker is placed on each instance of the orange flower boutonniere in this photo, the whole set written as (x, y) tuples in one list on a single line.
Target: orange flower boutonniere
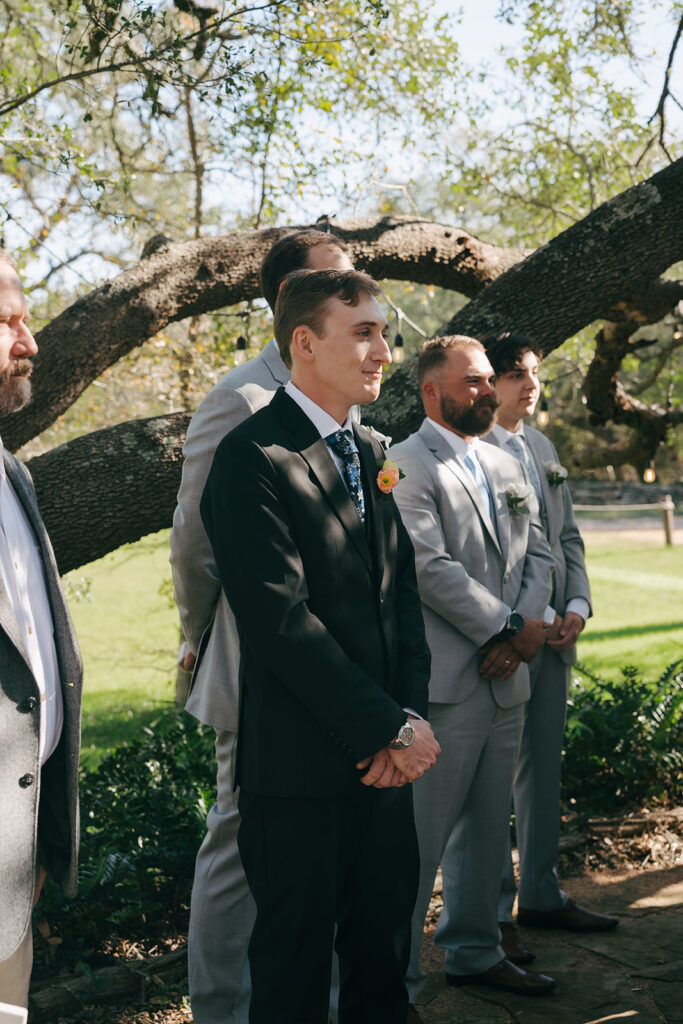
[(389, 475)]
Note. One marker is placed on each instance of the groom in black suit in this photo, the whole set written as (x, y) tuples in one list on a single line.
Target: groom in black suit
[(319, 571)]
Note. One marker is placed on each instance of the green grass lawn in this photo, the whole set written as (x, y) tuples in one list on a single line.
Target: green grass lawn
[(128, 627), (637, 606)]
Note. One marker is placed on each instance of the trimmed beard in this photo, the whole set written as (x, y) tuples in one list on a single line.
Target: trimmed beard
[(15, 386), (471, 421)]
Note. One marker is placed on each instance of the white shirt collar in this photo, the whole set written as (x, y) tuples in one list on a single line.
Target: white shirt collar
[(458, 443), (321, 420), (502, 434)]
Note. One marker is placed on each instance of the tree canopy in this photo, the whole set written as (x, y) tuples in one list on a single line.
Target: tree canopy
[(209, 127)]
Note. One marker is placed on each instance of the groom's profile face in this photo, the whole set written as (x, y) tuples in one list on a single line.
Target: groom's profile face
[(351, 351)]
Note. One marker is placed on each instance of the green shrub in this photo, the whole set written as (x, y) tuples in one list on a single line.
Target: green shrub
[(624, 739), (143, 816)]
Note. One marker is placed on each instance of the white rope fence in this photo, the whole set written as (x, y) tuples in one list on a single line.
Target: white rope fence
[(665, 505)]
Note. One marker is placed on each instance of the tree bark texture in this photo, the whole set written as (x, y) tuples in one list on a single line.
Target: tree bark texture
[(110, 487)]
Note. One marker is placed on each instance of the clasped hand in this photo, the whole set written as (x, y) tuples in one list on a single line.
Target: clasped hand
[(389, 767)]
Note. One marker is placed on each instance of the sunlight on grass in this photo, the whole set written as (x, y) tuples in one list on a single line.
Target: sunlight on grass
[(637, 605), (127, 627)]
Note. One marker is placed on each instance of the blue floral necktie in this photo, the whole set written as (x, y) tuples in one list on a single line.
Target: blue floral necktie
[(343, 445)]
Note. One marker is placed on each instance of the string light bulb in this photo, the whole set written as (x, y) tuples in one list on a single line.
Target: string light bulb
[(543, 418), (240, 350), (649, 476), (398, 352)]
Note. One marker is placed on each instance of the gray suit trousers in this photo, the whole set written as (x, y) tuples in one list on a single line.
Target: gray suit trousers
[(222, 910), (536, 792), (462, 808)]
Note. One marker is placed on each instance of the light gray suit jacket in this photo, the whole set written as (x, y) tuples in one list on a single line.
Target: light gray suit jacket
[(38, 807), (470, 574), (205, 616), (570, 578)]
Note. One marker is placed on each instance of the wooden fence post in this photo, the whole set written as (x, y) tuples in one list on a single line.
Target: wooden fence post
[(667, 509)]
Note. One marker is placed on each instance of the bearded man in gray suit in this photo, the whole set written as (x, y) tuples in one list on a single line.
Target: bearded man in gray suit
[(483, 570), (542, 903), (40, 682), (222, 909)]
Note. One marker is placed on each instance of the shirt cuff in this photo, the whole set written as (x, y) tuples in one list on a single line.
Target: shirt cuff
[(409, 711), (549, 615), (579, 605)]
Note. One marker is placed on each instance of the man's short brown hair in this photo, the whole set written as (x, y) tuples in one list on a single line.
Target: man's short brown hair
[(304, 296), (289, 254), (434, 353)]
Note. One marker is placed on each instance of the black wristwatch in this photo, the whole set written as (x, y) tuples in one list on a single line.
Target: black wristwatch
[(513, 625), (404, 737)]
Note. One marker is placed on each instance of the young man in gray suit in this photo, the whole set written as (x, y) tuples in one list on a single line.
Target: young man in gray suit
[(222, 909), (483, 569), (40, 682), (542, 903)]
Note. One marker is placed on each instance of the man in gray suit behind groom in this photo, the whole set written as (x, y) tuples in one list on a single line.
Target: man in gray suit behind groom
[(483, 569), (222, 909), (40, 682), (542, 903)]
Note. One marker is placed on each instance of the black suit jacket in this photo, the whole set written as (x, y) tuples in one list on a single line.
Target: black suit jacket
[(331, 632)]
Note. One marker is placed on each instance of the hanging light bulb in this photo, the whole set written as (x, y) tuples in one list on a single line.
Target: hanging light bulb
[(543, 418), (397, 352), (240, 350), (649, 476)]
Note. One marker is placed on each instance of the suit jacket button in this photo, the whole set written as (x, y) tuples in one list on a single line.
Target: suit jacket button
[(26, 780), (30, 704)]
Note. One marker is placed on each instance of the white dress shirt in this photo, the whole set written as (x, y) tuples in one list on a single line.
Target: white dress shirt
[(21, 566)]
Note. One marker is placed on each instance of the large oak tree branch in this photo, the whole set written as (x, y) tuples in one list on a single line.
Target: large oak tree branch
[(190, 278), (110, 487), (612, 258)]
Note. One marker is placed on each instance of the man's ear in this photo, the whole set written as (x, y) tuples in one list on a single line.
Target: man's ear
[(300, 345), (430, 390)]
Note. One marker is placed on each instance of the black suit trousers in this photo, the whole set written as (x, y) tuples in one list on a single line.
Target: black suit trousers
[(350, 861)]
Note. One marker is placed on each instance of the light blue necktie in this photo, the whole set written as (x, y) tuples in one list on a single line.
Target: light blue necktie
[(522, 454), (343, 445), (472, 463)]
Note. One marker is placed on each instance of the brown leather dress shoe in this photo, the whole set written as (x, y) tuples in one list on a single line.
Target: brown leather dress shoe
[(572, 917), (506, 976), (413, 1016), (513, 944)]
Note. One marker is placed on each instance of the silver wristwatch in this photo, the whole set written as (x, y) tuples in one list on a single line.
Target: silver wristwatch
[(404, 737)]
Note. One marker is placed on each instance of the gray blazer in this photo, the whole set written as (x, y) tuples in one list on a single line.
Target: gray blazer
[(38, 807), (205, 616), (570, 577), (470, 575)]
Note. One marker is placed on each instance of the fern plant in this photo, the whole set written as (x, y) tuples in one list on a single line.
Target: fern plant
[(624, 739)]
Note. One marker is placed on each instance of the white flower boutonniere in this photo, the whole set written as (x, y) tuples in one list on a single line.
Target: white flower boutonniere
[(556, 473), (384, 439), (516, 496)]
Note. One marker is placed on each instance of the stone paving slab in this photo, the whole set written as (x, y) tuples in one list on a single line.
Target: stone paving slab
[(633, 975)]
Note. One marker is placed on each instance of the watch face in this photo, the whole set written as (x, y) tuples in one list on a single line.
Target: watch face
[(406, 734), (516, 621)]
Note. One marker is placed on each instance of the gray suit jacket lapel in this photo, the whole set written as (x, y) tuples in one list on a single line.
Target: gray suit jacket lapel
[(445, 454), (273, 360)]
